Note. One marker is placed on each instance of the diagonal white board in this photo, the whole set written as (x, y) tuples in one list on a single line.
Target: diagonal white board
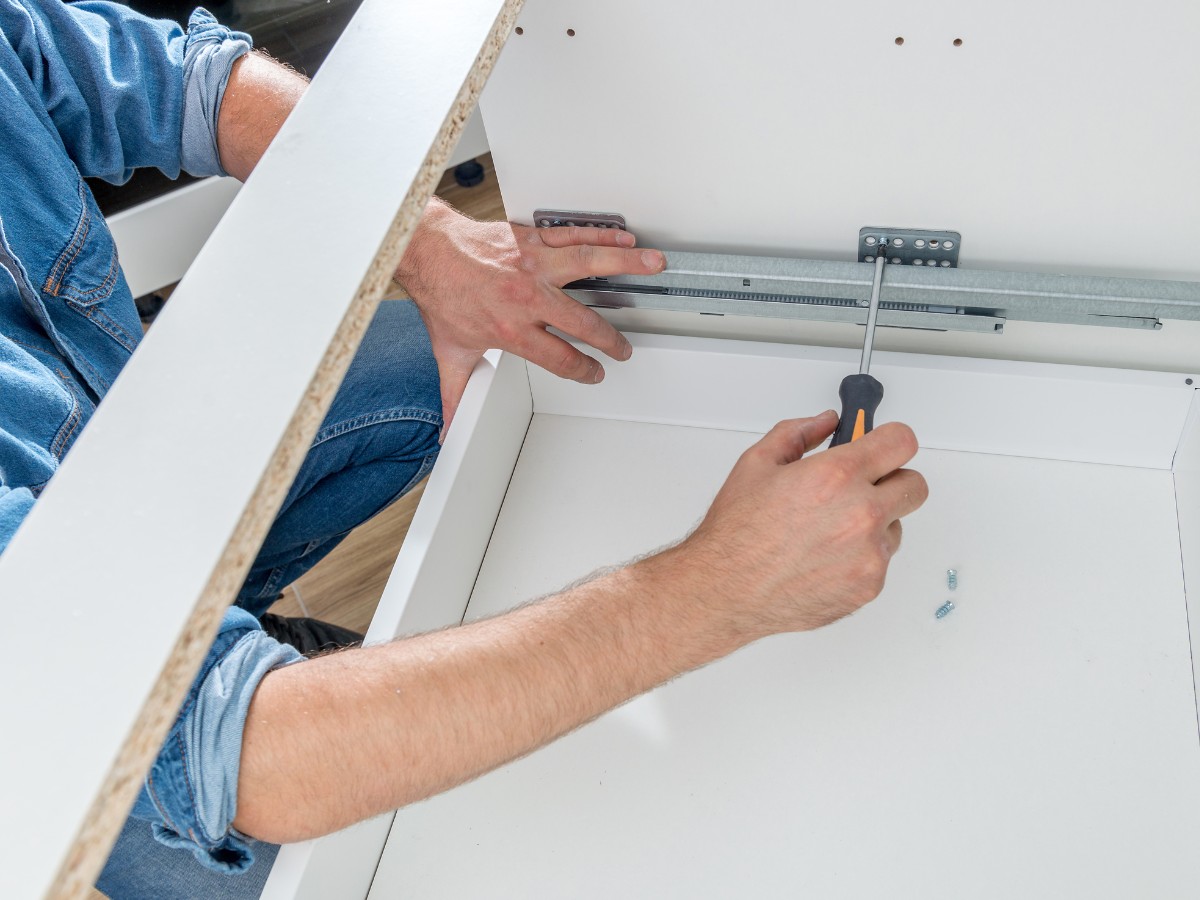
[(165, 499)]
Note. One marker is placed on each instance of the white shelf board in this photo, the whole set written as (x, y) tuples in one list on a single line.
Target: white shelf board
[(1041, 741)]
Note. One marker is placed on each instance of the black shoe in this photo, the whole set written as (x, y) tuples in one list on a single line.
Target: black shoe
[(310, 636)]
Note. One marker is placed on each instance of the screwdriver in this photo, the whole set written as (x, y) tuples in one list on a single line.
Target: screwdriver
[(861, 393)]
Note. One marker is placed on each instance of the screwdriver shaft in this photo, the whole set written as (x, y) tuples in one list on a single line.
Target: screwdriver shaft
[(872, 314)]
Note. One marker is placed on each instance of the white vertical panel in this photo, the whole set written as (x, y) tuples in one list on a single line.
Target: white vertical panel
[(1187, 498), (1055, 138), (445, 544), (429, 588)]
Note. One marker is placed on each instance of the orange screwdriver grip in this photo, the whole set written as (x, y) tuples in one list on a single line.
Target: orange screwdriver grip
[(861, 395)]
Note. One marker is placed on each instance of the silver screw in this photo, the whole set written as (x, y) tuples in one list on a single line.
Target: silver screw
[(944, 610), (952, 579)]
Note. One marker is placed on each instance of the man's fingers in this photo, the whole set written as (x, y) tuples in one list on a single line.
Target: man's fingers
[(792, 438), (584, 324), (578, 261), (566, 235), (902, 492), (558, 357), (883, 450)]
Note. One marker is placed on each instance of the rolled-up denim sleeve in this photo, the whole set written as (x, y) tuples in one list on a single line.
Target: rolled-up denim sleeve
[(124, 91), (190, 794)]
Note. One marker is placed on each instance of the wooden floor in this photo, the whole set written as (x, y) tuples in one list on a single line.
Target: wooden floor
[(345, 587)]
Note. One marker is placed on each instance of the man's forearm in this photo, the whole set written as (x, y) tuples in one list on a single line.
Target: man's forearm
[(340, 738), (791, 542), (259, 96)]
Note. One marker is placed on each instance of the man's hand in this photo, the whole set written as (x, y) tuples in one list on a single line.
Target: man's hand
[(795, 543), (481, 285)]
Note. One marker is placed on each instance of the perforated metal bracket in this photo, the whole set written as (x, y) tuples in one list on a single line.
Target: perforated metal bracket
[(911, 297), (549, 218), (933, 249)]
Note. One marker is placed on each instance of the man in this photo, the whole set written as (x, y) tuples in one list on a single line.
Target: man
[(265, 750)]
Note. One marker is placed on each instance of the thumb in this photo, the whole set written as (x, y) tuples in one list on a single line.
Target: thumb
[(792, 438)]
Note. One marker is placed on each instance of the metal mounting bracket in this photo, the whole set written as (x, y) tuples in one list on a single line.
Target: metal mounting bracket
[(910, 246), (550, 218)]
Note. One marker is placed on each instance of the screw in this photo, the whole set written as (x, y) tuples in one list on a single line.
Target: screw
[(944, 610), (952, 579)]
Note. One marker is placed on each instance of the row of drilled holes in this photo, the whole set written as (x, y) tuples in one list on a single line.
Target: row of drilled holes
[(919, 243), (899, 40), (945, 263), (571, 32), (957, 42)]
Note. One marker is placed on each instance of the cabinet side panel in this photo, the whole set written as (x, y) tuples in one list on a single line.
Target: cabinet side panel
[(431, 583), (1187, 499), (338, 865), (429, 588)]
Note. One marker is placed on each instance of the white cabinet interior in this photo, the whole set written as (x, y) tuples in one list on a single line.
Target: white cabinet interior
[(1039, 740)]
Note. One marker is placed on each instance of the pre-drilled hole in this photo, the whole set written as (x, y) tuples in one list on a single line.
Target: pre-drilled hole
[(958, 42), (570, 32), (899, 42), (520, 30)]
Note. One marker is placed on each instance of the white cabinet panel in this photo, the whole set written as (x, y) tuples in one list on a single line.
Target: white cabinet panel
[(1040, 740)]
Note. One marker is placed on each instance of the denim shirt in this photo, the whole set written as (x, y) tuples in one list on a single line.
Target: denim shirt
[(93, 88)]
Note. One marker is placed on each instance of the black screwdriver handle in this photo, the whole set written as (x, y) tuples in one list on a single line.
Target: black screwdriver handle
[(860, 398)]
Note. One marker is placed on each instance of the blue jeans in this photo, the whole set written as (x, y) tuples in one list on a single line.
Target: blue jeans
[(378, 440)]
